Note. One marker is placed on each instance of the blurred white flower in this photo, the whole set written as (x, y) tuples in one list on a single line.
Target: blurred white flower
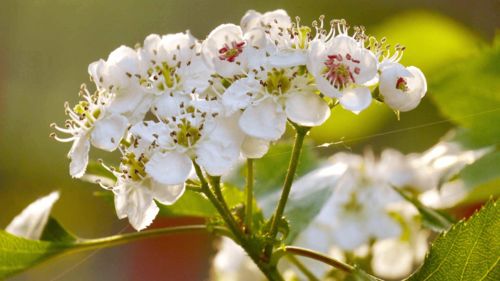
[(232, 263), (31, 222)]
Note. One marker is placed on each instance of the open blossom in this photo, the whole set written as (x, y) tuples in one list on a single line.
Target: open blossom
[(358, 208), (117, 76), (286, 44), (270, 96), (342, 66), (173, 64), (229, 52), (91, 123), (32, 220)]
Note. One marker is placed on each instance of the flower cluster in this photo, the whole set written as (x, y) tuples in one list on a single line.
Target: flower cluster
[(176, 101)]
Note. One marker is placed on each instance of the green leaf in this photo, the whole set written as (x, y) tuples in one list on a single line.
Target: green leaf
[(271, 169), (195, 204), (431, 218), (55, 232), (482, 178), (18, 254), (469, 94), (468, 251)]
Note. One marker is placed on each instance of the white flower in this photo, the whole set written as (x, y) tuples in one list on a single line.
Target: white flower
[(229, 52), (357, 210), (118, 76), (270, 96), (32, 220), (286, 44), (135, 190), (170, 146), (232, 263), (173, 64), (91, 123), (395, 258), (341, 67), (402, 88)]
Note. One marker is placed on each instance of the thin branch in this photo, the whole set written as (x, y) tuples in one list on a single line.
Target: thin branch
[(319, 257), (249, 197)]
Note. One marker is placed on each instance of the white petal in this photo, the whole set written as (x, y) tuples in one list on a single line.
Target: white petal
[(108, 132), (326, 88), (356, 99), (167, 194), (169, 168), (238, 95), (219, 151), (307, 109), (367, 65), (121, 63), (250, 20), (288, 58), (315, 57), (392, 259), (265, 120), (167, 106), (254, 148), (135, 202), (96, 71), (350, 234), (79, 155), (31, 222)]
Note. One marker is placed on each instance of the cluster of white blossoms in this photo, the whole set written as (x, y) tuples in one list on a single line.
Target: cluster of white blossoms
[(364, 217), (177, 101)]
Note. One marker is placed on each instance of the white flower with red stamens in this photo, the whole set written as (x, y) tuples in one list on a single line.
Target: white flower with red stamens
[(401, 87), (91, 123), (341, 67), (229, 52)]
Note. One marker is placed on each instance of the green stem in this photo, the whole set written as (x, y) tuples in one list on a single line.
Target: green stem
[(319, 257), (106, 242), (270, 271), (287, 186), (249, 197)]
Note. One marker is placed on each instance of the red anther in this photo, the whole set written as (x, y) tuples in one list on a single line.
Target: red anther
[(357, 70), (230, 53)]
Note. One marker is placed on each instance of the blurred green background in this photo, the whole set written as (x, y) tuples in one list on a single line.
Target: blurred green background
[(46, 46)]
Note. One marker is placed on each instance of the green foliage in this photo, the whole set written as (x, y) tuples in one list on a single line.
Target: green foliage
[(271, 169), (468, 251), (195, 204), (18, 254), (469, 94), (303, 206), (482, 178), (432, 219)]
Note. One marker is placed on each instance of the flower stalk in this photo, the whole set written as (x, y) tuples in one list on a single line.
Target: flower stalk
[(249, 196), (301, 132)]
